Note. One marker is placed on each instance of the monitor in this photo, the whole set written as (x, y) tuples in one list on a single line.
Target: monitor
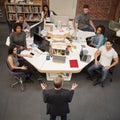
[(41, 42), (37, 28), (63, 19)]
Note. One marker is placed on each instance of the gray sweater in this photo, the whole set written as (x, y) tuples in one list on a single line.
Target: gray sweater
[(18, 39)]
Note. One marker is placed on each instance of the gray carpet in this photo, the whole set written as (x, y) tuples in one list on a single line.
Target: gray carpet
[(89, 102)]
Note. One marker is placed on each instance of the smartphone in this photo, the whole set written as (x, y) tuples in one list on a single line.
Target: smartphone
[(32, 53)]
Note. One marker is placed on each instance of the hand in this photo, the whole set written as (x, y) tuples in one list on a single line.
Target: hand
[(24, 68), (29, 56), (29, 49), (74, 85), (43, 86), (107, 67)]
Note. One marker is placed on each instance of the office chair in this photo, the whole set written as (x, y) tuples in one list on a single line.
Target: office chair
[(105, 39), (114, 27), (19, 76), (98, 75)]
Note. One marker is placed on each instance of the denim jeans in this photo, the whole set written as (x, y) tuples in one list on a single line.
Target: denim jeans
[(63, 117), (88, 28), (98, 67)]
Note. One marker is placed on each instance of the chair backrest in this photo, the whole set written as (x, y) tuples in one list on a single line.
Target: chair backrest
[(115, 26), (12, 72), (105, 39), (8, 41)]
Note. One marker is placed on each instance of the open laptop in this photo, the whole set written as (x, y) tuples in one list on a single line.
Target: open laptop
[(85, 58), (59, 59)]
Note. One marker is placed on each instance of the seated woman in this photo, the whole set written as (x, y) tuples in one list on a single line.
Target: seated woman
[(18, 37), (14, 63), (98, 39), (46, 12)]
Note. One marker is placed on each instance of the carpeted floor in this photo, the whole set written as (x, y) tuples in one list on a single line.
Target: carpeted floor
[(89, 102)]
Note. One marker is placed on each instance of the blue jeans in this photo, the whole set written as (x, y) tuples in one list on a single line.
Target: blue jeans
[(63, 117), (88, 28), (98, 67)]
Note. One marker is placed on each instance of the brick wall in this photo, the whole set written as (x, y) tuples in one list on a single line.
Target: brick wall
[(100, 9)]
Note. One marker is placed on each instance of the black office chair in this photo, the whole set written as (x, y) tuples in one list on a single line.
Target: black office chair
[(19, 76), (98, 75)]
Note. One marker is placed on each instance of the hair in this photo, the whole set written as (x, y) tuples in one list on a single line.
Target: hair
[(16, 25), (86, 6), (20, 16), (47, 8), (58, 82), (102, 29), (110, 41), (10, 50)]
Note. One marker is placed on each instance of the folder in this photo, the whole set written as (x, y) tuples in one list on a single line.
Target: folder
[(73, 63)]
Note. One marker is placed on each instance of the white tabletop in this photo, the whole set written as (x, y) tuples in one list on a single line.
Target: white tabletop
[(45, 66)]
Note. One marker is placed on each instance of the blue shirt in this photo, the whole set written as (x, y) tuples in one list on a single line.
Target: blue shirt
[(98, 40)]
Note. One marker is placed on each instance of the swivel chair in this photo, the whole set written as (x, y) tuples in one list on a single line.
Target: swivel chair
[(98, 75), (114, 27), (19, 76)]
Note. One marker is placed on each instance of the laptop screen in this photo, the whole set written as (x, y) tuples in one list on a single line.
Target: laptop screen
[(42, 43), (37, 28), (60, 59)]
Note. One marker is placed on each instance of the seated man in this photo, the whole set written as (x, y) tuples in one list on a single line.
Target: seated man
[(23, 22), (84, 21), (98, 40), (107, 54)]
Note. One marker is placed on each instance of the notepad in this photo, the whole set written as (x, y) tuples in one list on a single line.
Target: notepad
[(73, 63)]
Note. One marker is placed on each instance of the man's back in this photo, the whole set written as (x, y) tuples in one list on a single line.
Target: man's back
[(57, 100)]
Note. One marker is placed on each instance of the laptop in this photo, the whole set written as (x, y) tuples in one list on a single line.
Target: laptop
[(59, 59), (85, 58)]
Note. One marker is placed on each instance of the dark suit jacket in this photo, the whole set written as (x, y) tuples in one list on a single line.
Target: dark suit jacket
[(57, 101)]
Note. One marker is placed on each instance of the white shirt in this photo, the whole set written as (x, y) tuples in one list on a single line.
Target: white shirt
[(42, 15), (107, 56)]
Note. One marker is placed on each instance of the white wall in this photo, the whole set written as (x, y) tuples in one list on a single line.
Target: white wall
[(64, 7)]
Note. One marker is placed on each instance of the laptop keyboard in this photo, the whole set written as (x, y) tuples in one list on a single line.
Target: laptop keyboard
[(36, 51)]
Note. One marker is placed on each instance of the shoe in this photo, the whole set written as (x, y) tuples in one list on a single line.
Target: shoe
[(102, 84), (89, 78), (96, 83)]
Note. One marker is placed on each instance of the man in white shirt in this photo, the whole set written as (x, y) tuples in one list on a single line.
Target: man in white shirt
[(107, 55)]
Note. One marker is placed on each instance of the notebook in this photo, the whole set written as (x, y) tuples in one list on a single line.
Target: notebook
[(73, 63)]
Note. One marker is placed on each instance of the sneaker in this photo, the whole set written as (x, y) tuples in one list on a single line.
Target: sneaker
[(102, 84), (96, 83), (89, 78)]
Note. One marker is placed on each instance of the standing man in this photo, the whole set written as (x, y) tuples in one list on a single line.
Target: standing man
[(84, 21), (57, 99), (107, 55)]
